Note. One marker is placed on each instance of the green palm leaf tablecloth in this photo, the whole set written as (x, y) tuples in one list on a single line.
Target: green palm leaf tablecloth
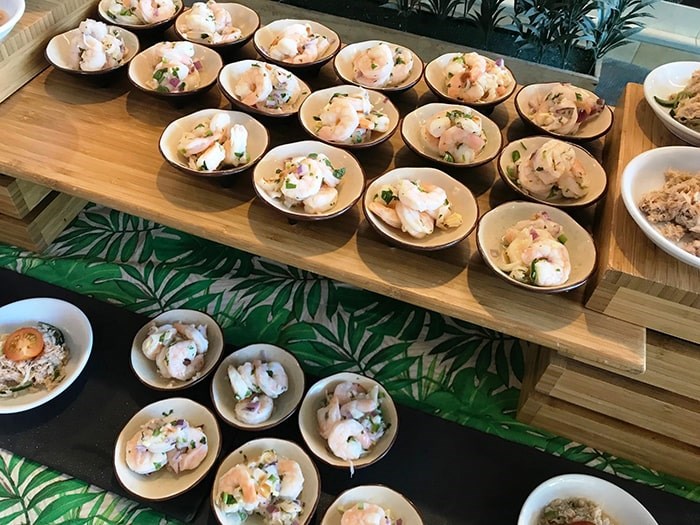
[(456, 370)]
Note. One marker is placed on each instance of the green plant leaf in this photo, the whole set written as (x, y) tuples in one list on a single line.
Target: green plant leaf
[(59, 508), (60, 486)]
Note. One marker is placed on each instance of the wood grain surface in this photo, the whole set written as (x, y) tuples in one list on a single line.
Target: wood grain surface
[(101, 143)]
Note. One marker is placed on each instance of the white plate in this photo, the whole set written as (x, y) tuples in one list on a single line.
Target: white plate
[(343, 65), (663, 82), (645, 173), (615, 502), (412, 123), (263, 38), (597, 178), (463, 202), (308, 422), (391, 501), (258, 140), (284, 406), (102, 10), (165, 484), (14, 10), (310, 494), (349, 190), (314, 104), (147, 371), (76, 330), (244, 18)]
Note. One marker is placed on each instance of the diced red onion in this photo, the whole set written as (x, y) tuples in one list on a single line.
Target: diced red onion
[(500, 62), (253, 405), (174, 82), (197, 65)]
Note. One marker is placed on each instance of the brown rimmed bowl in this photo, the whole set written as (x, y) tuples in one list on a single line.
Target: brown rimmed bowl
[(394, 503), (143, 29)]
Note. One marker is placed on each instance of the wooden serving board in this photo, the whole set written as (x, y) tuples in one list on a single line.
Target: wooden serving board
[(636, 281)]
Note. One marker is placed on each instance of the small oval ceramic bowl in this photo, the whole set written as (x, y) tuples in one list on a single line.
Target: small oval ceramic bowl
[(518, 151), (310, 494), (139, 28), (58, 52), (344, 68), (315, 399), (645, 173), (284, 406), (494, 223), (661, 84), (415, 120), (164, 484), (147, 371), (244, 18), (463, 202), (435, 78), (394, 504), (312, 107), (230, 75), (618, 504), (266, 35), (591, 129), (349, 190), (13, 11), (258, 140), (142, 67)]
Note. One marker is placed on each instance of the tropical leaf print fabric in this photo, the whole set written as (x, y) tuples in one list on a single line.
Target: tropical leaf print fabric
[(447, 367)]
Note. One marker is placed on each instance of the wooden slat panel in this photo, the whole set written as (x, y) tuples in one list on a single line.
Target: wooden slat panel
[(18, 197)]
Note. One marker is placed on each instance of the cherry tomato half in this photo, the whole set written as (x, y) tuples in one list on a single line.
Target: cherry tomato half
[(23, 343)]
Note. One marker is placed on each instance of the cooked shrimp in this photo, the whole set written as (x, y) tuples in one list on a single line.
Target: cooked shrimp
[(271, 378), (358, 408), (549, 263), (385, 213), (253, 86), (239, 484), (420, 196), (552, 160), (373, 66), (365, 514), (530, 181), (247, 371), (191, 144), (403, 64), (460, 144), (190, 451), (338, 120), (328, 416), (210, 159), (180, 361), (153, 11), (254, 410), (240, 387), (304, 181), (236, 146), (93, 57), (323, 201), (417, 224), (197, 334), (158, 338), (292, 479), (574, 183), (348, 439), (140, 459), (309, 52), (347, 391)]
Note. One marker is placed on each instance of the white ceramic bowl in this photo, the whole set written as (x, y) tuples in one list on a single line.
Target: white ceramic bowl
[(591, 129), (76, 330), (258, 140), (312, 107), (284, 406), (663, 82), (308, 422), (103, 12), (523, 148), (579, 243), (463, 202), (349, 190), (415, 120), (147, 371), (244, 18), (620, 505), (165, 484), (309, 496), (435, 78), (343, 65), (58, 52), (645, 173), (228, 78), (142, 66), (391, 501), (263, 38), (13, 11)]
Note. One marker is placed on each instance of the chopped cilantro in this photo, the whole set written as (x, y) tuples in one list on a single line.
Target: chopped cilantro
[(387, 196), (289, 185), (515, 155), (338, 174)]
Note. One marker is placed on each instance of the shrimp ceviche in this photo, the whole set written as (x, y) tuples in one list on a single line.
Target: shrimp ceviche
[(351, 420), (32, 358), (175, 69), (166, 441), (96, 47), (268, 87), (454, 135), (471, 77), (255, 385), (551, 171), (350, 118), (310, 181), (298, 44), (365, 513), (268, 485), (534, 252), (414, 207), (215, 143), (178, 349), (141, 12), (209, 22), (382, 65), (564, 108), (685, 105)]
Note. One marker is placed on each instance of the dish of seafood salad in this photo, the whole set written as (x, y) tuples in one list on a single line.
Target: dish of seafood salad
[(685, 104), (267, 87), (178, 349), (175, 68), (573, 511), (214, 143), (454, 135), (32, 357), (382, 65), (297, 43), (255, 385), (141, 12), (269, 485), (471, 77), (365, 513), (564, 108), (350, 118), (95, 47), (209, 22)]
